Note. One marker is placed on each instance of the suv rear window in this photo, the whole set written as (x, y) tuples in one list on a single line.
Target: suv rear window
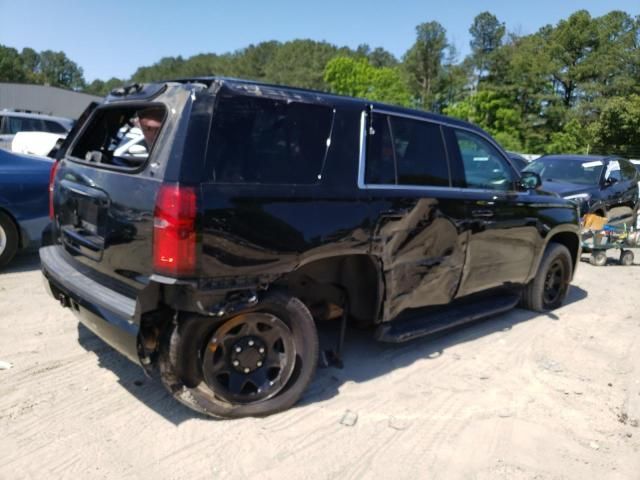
[(122, 136), (268, 141)]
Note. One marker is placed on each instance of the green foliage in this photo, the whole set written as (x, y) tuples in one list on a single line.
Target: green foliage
[(57, 70), (100, 88), (47, 67), (11, 65), (618, 128), (423, 63), (487, 33), (495, 113), (573, 138), (358, 78)]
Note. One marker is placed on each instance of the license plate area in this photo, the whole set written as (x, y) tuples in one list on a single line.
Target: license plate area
[(83, 219)]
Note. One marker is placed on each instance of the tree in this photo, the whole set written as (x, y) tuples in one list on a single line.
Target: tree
[(57, 70), (617, 131), (301, 63), (11, 66), (358, 78), (571, 139), (100, 88), (486, 37), (570, 46), (493, 112), (423, 62)]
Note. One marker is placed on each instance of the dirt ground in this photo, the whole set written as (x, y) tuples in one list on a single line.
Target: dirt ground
[(517, 397)]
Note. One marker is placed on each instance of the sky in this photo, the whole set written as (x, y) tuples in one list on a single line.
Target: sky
[(113, 38)]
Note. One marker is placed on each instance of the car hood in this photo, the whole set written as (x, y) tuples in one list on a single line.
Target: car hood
[(565, 189)]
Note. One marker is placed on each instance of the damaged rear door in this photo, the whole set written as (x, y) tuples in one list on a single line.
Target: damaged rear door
[(419, 232)]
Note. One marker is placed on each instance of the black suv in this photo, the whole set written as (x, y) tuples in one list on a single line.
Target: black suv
[(606, 186), (204, 226)]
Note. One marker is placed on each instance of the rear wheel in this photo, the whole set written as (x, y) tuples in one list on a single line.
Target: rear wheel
[(256, 363), (549, 288), (8, 239)]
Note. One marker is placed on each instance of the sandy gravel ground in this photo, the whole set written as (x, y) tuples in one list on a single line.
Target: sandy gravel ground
[(520, 396)]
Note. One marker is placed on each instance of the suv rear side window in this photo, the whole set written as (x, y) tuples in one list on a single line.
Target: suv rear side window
[(484, 167), (120, 136), (268, 141), (403, 151)]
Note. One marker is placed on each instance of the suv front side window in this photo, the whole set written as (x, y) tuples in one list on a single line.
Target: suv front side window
[(484, 167)]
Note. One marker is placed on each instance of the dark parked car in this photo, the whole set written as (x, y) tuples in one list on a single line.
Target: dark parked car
[(261, 210), (607, 186), (24, 202), (518, 160)]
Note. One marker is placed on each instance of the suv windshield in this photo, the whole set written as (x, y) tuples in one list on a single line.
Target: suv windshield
[(570, 170)]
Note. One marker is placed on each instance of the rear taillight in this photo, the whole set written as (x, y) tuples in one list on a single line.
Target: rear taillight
[(52, 178), (174, 231)]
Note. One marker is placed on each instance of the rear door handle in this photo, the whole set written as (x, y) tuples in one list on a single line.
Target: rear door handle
[(482, 213)]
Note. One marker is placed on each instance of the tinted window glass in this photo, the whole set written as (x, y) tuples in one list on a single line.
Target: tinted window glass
[(628, 170), (261, 140), (54, 127), (484, 167), (121, 136), (21, 124), (380, 164), (420, 153), (405, 152)]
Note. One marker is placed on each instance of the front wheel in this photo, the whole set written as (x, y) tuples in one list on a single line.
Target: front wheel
[(549, 288), (255, 363)]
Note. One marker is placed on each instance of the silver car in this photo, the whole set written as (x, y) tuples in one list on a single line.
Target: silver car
[(13, 122)]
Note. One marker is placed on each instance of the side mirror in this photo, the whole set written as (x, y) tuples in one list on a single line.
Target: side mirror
[(610, 181), (529, 180)]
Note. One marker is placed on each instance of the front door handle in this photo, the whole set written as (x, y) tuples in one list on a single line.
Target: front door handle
[(482, 213)]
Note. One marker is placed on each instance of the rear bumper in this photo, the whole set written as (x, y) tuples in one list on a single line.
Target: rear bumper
[(109, 314)]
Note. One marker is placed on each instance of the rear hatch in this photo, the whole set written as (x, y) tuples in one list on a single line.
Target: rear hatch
[(106, 185)]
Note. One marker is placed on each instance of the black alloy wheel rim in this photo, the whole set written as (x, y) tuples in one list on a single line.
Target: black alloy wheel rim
[(554, 284), (249, 358)]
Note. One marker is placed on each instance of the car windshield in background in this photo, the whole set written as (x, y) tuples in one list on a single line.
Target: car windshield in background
[(578, 171), (121, 137)]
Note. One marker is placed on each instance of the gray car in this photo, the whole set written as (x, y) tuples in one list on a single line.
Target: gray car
[(13, 122)]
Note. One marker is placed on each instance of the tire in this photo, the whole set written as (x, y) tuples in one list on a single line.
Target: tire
[(196, 345), (9, 240), (626, 258), (553, 276), (598, 259)]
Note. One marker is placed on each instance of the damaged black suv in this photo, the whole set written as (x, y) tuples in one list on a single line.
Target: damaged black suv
[(203, 227)]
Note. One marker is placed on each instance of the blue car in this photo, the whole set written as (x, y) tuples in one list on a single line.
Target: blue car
[(24, 202)]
